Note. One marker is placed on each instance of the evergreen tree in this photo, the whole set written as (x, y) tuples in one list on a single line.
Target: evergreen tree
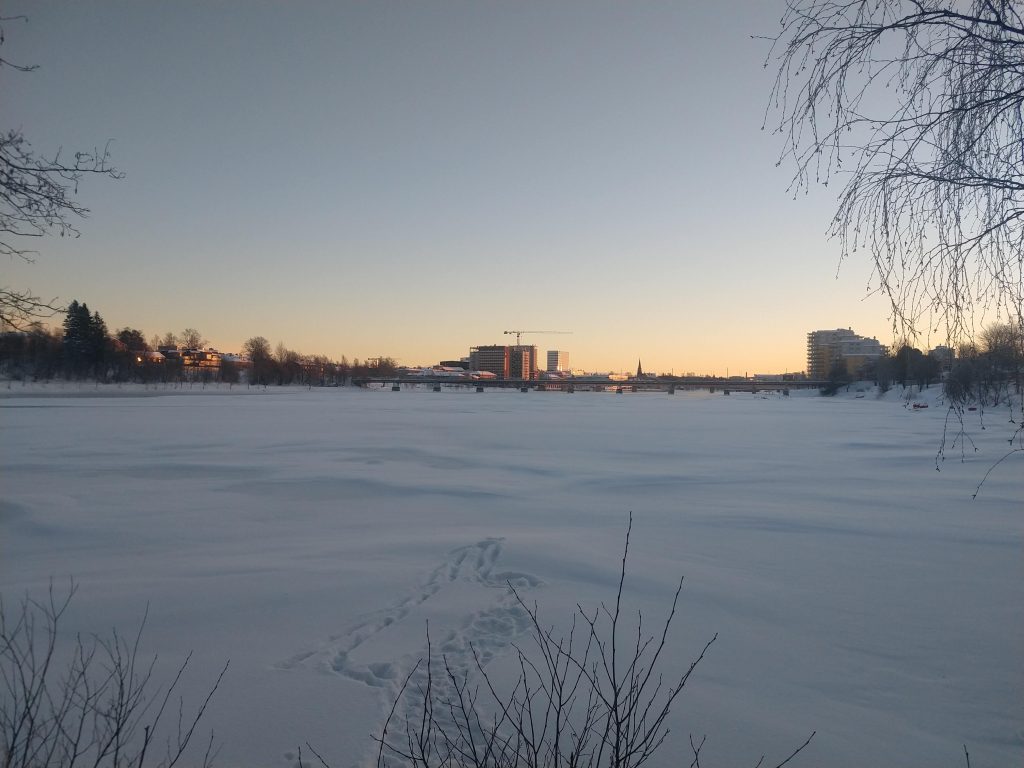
[(85, 341), (76, 342), (99, 342)]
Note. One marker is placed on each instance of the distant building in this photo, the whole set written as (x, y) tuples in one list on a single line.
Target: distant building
[(239, 361), (827, 348), (859, 355), (149, 357), (523, 362), (558, 361), (201, 358), (493, 358), (517, 362), (945, 355)]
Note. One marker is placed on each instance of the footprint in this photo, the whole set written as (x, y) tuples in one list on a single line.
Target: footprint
[(489, 630)]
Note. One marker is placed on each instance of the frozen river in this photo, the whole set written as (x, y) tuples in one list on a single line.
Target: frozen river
[(308, 536)]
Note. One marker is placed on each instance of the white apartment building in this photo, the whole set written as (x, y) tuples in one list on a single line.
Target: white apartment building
[(826, 348)]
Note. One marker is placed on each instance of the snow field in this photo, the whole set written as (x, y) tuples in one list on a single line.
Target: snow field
[(309, 536)]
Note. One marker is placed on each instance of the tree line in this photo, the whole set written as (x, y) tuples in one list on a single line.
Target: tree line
[(987, 372), (991, 372), (83, 348)]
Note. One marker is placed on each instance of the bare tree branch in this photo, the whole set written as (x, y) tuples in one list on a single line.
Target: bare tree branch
[(93, 709), (37, 198), (917, 106)]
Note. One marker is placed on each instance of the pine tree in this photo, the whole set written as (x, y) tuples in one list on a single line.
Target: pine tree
[(76, 337), (98, 342), (85, 340)]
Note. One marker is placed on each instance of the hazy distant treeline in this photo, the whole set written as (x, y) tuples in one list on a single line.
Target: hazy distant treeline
[(83, 348)]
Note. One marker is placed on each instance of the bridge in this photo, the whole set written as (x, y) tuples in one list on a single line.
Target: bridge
[(592, 384)]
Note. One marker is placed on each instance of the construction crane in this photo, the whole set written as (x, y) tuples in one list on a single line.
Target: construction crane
[(520, 333)]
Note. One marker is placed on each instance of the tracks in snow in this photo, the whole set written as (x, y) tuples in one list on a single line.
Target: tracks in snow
[(489, 629)]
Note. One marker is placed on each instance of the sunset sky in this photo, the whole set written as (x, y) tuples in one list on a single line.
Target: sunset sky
[(413, 178)]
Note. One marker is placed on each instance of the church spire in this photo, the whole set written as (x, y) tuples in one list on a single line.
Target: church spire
[(639, 369)]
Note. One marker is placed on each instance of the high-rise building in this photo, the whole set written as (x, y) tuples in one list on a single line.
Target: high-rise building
[(558, 361), (827, 348), (523, 362), (493, 358), (518, 362)]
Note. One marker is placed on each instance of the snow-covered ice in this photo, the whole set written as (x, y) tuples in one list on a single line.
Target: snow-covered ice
[(310, 535)]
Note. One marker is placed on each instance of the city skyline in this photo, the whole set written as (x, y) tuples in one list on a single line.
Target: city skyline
[(368, 179)]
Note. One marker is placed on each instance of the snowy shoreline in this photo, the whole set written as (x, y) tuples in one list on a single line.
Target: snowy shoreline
[(64, 388), (61, 388)]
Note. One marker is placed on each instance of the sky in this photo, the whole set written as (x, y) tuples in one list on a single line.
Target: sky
[(412, 179)]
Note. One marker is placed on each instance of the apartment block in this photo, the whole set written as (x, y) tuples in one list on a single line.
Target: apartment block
[(523, 362), (493, 358), (841, 345), (557, 362)]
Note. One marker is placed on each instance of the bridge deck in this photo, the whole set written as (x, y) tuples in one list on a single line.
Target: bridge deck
[(592, 384)]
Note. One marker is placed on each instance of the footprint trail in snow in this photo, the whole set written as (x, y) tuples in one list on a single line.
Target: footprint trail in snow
[(489, 630)]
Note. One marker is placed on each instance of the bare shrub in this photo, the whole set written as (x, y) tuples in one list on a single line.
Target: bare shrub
[(91, 703), (592, 697)]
